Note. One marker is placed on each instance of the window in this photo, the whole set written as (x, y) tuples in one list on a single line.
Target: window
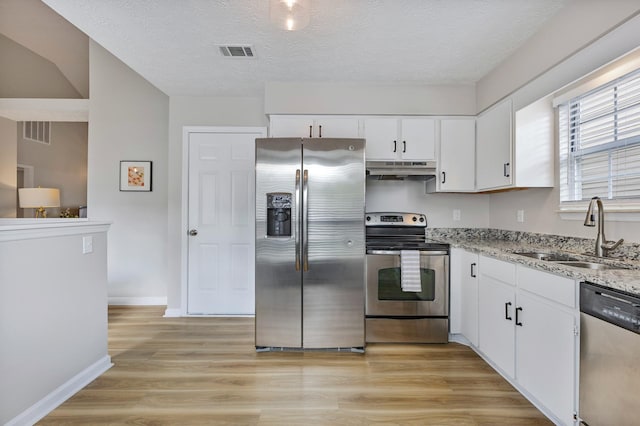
[(600, 142)]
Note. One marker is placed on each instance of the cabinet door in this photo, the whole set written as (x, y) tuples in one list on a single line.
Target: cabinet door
[(382, 138), (496, 311), (457, 163), (546, 354), (336, 127), (494, 164), (285, 127), (418, 139), (469, 299)]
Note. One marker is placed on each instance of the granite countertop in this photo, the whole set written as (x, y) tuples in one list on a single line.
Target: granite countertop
[(502, 244)]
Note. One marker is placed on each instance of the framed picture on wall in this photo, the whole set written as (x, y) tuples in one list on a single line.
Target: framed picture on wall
[(135, 176)]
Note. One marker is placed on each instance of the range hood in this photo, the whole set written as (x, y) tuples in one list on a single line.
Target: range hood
[(401, 169)]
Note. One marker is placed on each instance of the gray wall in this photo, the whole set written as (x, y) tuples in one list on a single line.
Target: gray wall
[(196, 111), (129, 121), (579, 24), (385, 195), (53, 315), (24, 74), (355, 98), (541, 205), (62, 164)]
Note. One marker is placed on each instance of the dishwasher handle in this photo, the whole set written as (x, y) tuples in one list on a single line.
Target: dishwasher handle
[(610, 305)]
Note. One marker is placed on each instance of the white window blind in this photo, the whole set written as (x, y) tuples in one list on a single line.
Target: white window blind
[(600, 142)]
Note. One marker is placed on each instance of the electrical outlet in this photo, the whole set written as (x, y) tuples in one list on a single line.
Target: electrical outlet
[(87, 244), (456, 215), (520, 215)]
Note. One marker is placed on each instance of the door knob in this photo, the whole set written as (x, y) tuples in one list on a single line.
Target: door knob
[(193, 232)]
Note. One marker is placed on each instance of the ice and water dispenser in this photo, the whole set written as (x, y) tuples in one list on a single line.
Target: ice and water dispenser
[(278, 214)]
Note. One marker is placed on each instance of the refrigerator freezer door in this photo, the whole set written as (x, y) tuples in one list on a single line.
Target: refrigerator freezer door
[(334, 253), (278, 283)]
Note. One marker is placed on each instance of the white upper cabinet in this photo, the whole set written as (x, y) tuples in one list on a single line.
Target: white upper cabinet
[(534, 145), (456, 162), (397, 139), (515, 149), (493, 147), (418, 139), (314, 126)]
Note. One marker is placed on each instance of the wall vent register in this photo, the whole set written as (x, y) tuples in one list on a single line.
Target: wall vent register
[(37, 131), (237, 51)]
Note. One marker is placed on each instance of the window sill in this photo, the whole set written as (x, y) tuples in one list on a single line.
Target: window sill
[(629, 212)]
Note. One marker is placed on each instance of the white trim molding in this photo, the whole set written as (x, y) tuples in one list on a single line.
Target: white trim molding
[(63, 392), (34, 109), (137, 301), (610, 216), (25, 229), (615, 211), (172, 313)]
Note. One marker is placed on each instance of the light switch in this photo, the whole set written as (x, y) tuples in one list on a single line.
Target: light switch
[(87, 244), (456, 215), (520, 215)]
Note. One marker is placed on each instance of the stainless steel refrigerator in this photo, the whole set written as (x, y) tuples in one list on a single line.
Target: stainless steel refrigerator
[(310, 243)]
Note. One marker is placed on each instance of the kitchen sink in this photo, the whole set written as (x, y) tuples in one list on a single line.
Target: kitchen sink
[(589, 265), (549, 257)]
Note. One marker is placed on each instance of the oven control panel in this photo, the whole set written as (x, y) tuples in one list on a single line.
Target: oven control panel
[(395, 219)]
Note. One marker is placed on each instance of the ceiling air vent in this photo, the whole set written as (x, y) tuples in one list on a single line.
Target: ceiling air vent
[(237, 51)]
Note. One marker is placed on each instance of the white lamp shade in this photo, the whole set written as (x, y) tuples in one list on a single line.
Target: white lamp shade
[(33, 198), (290, 14)]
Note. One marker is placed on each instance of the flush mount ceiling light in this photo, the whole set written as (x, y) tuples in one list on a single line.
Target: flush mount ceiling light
[(290, 15)]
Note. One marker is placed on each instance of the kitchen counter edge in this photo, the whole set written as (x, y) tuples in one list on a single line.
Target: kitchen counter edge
[(627, 280)]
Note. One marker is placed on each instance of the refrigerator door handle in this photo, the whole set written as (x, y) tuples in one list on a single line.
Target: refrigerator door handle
[(305, 220), (295, 228)]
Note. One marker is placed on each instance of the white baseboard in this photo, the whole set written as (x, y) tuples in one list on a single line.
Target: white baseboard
[(459, 338), (63, 392), (172, 313), (141, 301)]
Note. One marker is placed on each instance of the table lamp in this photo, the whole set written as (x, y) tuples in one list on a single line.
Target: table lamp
[(39, 198)]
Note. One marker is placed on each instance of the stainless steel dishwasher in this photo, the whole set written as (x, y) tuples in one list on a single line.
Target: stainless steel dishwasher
[(609, 356)]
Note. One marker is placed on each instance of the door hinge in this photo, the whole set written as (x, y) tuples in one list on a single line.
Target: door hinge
[(576, 332)]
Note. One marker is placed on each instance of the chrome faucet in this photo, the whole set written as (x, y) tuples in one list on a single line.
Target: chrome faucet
[(603, 247)]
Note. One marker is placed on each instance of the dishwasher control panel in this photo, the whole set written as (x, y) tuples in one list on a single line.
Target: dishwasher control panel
[(615, 307)]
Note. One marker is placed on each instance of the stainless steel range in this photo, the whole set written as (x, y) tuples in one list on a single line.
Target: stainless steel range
[(407, 280)]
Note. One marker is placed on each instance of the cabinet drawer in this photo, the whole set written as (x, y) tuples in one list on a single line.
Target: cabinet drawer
[(497, 269), (551, 286)]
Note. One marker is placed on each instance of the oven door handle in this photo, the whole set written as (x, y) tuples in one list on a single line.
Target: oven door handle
[(397, 252)]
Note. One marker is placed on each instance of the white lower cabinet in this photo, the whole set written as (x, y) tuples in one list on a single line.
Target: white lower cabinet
[(469, 299), (546, 353), (463, 316), (528, 330), (496, 309)]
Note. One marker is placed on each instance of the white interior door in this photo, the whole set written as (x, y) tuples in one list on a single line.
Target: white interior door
[(221, 216)]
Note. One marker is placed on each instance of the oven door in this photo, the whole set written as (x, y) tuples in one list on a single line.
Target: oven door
[(384, 292)]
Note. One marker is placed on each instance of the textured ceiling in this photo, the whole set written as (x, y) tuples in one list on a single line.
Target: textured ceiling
[(173, 43)]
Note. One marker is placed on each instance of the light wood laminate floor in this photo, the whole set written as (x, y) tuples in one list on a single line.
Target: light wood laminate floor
[(205, 371)]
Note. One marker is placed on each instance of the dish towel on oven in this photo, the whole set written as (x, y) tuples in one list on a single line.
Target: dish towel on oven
[(410, 270)]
